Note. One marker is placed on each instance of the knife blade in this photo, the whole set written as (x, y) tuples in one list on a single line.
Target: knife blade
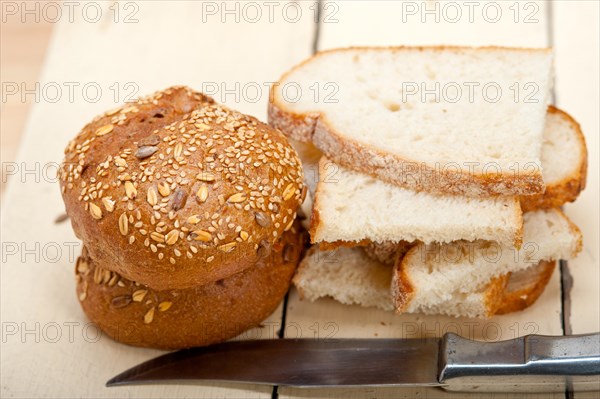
[(531, 363)]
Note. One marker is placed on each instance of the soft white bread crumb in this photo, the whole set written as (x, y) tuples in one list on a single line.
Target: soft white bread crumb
[(351, 278), (564, 162), (372, 113), (430, 276), (347, 275), (352, 206)]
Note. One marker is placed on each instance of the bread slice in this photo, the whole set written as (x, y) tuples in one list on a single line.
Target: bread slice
[(368, 108), (352, 206), (428, 276), (564, 162), (346, 275), (350, 277)]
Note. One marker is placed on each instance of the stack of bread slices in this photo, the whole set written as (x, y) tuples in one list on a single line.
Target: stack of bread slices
[(432, 193)]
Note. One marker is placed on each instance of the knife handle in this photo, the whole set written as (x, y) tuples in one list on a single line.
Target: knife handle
[(531, 363)]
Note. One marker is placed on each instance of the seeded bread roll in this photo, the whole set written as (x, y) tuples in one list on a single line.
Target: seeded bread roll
[(138, 315), (175, 191)]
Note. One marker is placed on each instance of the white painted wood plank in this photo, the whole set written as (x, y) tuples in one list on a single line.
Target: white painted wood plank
[(381, 23), (170, 44), (576, 44), (393, 23)]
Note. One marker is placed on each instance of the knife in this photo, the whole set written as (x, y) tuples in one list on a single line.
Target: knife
[(530, 363)]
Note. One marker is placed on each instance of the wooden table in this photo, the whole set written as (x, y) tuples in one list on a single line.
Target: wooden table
[(50, 349)]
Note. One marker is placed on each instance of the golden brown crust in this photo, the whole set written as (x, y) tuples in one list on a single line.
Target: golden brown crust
[(403, 289), (315, 128), (493, 294), (523, 296), (176, 191), (568, 189), (171, 319)]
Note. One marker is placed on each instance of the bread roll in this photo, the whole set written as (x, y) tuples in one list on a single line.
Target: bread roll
[(137, 315), (175, 191)]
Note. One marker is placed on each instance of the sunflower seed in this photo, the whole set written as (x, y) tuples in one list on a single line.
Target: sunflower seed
[(262, 219), (164, 306), (130, 190), (145, 151), (101, 131), (288, 253), (139, 295), (264, 249), (123, 224), (151, 196), (179, 199), (172, 237), (202, 193), (120, 301), (61, 218), (236, 198), (95, 211), (149, 141), (148, 317), (201, 235)]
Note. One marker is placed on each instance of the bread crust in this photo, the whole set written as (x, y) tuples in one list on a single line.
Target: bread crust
[(392, 168), (568, 189), (403, 288), (522, 298), (176, 191), (171, 319)]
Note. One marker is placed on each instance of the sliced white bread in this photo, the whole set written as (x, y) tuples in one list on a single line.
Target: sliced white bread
[(350, 277), (429, 276), (564, 162), (564, 159), (354, 207), (346, 275), (368, 109)]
